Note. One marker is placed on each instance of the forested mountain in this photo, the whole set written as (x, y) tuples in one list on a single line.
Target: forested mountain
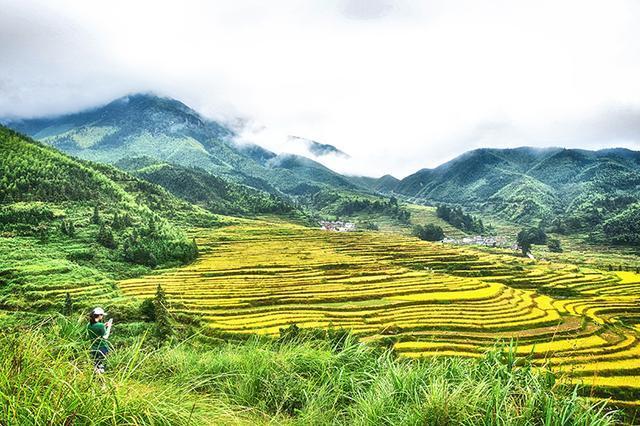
[(196, 159), (204, 189), (49, 195), (574, 189), (317, 149), (386, 183), (169, 131)]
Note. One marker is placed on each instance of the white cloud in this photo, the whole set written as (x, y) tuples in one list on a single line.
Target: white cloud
[(399, 85)]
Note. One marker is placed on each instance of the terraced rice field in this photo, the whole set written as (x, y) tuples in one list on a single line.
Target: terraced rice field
[(427, 299)]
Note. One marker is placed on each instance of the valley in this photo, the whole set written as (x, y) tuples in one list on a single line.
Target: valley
[(421, 299), (203, 249), (312, 213)]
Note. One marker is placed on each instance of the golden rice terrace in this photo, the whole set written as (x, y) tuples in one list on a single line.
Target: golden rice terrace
[(431, 299)]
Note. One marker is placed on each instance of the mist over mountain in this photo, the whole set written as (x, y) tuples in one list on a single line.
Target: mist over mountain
[(317, 149), (146, 125), (579, 189)]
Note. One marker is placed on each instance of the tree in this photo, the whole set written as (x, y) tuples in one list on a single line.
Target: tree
[(624, 227), (195, 251), (67, 309), (163, 323), (456, 217), (529, 236), (68, 228), (105, 237), (554, 245), (148, 310), (428, 232), (95, 219), (42, 231)]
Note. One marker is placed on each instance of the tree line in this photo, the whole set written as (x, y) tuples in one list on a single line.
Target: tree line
[(457, 218)]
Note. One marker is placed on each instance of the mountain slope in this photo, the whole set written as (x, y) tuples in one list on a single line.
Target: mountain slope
[(169, 131), (384, 184), (204, 189), (583, 188), (317, 149), (75, 220)]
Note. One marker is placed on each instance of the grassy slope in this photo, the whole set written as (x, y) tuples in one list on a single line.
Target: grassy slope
[(39, 262), (330, 379), (258, 381), (205, 189)]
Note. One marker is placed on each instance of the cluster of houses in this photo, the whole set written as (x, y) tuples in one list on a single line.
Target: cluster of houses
[(337, 226), (489, 241)]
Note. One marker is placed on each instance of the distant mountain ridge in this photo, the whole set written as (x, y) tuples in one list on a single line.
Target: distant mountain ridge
[(584, 188), (142, 125), (318, 149), (204, 189), (574, 188)]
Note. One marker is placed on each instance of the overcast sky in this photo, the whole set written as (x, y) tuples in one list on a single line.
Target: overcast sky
[(398, 85)]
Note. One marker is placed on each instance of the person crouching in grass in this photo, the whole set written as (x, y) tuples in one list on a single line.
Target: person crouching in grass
[(98, 332)]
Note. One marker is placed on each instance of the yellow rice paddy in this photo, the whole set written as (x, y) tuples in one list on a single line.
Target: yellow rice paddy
[(427, 299)]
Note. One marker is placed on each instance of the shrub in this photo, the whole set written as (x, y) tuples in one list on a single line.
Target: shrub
[(68, 228), (25, 213), (105, 237), (82, 254), (67, 308), (95, 217), (122, 312), (161, 312), (554, 245), (148, 310), (428, 232)]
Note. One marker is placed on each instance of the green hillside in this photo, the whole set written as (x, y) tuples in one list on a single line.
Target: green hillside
[(575, 190), (71, 229), (167, 130), (68, 224), (386, 183), (202, 188)]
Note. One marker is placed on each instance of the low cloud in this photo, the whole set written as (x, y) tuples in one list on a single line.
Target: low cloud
[(399, 85)]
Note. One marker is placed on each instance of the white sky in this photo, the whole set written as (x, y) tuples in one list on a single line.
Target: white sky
[(398, 85)]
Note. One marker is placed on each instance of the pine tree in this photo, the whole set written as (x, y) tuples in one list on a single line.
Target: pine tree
[(67, 309), (95, 219), (68, 228), (196, 250), (163, 323), (42, 231), (105, 237)]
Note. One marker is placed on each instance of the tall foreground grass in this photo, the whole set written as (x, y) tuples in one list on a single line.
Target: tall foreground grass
[(46, 378)]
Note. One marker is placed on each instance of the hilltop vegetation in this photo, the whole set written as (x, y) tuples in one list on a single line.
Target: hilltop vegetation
[(572, 190), (456, 217), (202, 188), (624, 227), (64, 220), (331, 203), (145, 125), (566, 190)]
